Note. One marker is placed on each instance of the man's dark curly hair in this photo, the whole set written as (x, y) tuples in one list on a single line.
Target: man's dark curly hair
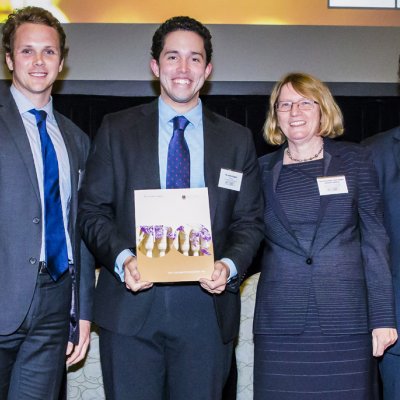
[(180, 24)]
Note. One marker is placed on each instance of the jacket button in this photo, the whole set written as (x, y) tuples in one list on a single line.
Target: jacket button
[(309, 261), (36, 220), (32, 260)]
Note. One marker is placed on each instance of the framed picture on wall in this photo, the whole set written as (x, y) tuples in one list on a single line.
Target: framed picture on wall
[(363, 3)]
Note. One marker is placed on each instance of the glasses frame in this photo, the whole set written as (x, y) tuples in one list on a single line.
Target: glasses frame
[(312, 102)]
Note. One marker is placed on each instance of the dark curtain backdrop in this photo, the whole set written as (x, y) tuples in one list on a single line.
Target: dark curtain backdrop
[(364, 116)]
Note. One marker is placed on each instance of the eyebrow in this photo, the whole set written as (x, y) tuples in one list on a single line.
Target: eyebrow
[(45, 47), (193, 53)]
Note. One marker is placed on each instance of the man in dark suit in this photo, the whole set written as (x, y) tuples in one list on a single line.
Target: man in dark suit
[(45, 300), (385, 148), (170, 340)]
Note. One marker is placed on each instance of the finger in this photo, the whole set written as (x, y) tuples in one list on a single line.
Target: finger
[(209, 286), (78, 354), (220, 284), (130, 268), (132, 273), (374, 344), (146, 285), (70, 347), (222, 267), (393, 336), (129, 281), (390, 340), (73, 358), (380, 347), (135, 275), (216, 274), (139, 286), (204, 285), (135, 285)]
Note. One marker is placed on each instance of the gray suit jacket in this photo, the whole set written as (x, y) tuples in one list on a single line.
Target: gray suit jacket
[(385, 149), (124, 157), (21, 227), (347, 262)]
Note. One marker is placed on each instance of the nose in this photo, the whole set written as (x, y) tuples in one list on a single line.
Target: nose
[(38, 59), (295, 109), (183, 65)]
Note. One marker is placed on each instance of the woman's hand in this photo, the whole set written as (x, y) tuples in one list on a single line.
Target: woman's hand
[(382, 338)]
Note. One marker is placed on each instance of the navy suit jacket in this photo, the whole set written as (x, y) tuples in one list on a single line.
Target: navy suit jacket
[(346, 264), (20, 216), (124, 157), (385, 149)]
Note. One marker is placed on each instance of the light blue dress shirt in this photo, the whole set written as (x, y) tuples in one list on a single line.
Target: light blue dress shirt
[(29, 120), (194, 137)]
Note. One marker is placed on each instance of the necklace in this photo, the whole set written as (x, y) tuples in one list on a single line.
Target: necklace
[(305, 159)]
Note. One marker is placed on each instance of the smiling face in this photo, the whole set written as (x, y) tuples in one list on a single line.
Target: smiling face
[(36, 61), (182, 69), (299, 126)]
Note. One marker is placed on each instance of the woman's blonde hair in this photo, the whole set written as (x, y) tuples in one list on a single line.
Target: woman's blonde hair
[(311, 88)]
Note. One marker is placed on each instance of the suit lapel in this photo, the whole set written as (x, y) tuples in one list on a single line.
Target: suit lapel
[(73, 153), (270, 181), (332, 163), (329, 168), (270, 177), (148, 157), (74, 173), (15, 128), (276, 204), (213, 143)]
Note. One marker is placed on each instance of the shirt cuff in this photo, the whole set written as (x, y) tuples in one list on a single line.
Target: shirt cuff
[(232, 268), (119, 263)]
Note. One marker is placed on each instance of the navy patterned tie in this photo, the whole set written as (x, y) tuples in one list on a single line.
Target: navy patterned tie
[(56, 245), (178, 166)]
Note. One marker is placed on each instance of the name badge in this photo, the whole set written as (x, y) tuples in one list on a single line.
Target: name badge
[(229, 179), (332, 185)]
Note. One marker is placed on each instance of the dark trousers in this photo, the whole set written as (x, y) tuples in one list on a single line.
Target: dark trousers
[(389, 367), (32, 359), (177, 355)]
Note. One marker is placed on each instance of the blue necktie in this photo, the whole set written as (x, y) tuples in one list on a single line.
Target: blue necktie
[(56, 245), (178, 166)]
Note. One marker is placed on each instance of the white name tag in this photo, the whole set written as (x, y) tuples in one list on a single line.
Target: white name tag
[(332, 185), (229, 179)]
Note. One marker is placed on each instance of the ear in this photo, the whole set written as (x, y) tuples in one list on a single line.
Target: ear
[(9, 62), (208, 70), (155, 67), (60, 68)]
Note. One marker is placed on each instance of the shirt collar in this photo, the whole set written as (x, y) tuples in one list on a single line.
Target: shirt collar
[(24, 104), (167, 113)]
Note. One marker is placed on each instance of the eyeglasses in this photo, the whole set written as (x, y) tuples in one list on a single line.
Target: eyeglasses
[(304, 105)]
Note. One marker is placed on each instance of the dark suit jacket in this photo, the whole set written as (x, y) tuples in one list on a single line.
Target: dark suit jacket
[(21, 214), (346, 264), (124, 157), (385, 149)]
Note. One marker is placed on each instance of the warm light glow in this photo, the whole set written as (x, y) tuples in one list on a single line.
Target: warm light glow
[(268, 21), (266, 12), (6, 7)]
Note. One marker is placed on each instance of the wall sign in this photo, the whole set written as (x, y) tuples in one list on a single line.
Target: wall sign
[(386, 4)]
